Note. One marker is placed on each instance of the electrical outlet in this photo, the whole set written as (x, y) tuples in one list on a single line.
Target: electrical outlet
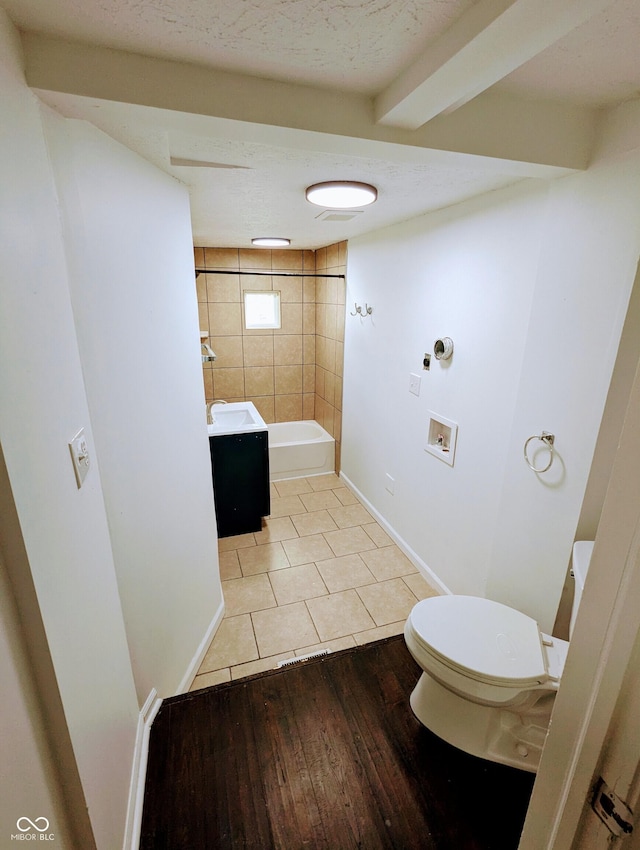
[(80, 457), (390, 484), (414, 383)]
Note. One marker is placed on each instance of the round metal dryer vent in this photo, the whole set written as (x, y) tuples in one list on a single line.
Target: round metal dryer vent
[(443, 348)]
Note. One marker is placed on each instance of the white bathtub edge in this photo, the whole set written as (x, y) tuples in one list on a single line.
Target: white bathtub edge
[(301, 458), (297, 473), (322, 434), (426, 571)]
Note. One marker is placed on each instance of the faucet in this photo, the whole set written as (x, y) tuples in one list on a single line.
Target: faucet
[(209, 356), (210, 417)]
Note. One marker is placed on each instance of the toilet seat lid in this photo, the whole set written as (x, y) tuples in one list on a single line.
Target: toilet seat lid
[(481, 639)]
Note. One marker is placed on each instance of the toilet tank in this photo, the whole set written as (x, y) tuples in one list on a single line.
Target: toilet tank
[(580, 560)]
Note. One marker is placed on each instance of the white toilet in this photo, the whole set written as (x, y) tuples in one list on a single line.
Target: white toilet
[(490, 675)]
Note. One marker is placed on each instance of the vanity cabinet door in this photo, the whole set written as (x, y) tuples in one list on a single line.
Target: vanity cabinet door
[(240, 469)]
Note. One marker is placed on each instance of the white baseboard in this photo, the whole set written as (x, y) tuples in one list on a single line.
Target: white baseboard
[(198, 658), (141, 751), (426, 571), (139, 771)]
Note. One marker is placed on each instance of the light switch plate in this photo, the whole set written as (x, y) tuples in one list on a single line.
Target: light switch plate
[(414, 383), (80, 457)]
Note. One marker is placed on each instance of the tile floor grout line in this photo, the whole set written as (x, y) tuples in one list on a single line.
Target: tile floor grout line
[(378, 542)]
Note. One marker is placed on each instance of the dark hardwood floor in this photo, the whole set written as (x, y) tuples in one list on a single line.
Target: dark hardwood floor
[(325, 754)]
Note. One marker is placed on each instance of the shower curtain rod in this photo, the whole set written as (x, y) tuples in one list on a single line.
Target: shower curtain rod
[(271, 274)]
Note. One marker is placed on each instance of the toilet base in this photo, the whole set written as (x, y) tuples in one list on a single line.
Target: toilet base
[(492, 733)]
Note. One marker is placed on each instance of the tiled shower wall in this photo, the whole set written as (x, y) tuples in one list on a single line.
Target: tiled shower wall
[(291, 373), (330, 319)]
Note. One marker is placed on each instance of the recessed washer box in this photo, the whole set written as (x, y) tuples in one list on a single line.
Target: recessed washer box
[(441, 438)]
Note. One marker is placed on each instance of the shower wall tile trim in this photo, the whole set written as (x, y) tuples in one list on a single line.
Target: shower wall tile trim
[(294, 372)]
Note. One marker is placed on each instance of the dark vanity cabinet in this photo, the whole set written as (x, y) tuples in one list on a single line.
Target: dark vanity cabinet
[(240, 467)]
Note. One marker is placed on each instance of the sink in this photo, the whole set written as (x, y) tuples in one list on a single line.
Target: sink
[(239, 449), (238, 417)]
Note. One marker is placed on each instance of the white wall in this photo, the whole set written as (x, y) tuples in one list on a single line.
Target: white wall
[(595, 718), (131, 260), (27, 772), (613, 417), (42, 405), (532, 285), (584, 279), (467, 273), (99, 330)]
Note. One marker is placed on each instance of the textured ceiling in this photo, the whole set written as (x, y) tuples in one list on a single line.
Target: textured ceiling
[(596, 64), (355, 45), (249, 199), (352, 49)]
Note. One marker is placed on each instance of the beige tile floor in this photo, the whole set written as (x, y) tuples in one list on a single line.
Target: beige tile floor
[(322, 573)]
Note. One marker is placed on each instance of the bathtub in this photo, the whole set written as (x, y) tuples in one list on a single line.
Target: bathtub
[(299, 449)]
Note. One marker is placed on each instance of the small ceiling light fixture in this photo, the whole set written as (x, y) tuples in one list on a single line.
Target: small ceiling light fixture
[(341, 194), (270, 242)]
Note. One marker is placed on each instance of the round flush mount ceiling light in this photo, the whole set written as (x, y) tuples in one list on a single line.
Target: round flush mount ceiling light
[(270, 242), (341, 194)]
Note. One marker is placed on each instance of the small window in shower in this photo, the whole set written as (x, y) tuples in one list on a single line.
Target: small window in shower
[(261, 310)]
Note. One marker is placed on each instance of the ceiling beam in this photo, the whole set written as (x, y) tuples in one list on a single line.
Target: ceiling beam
[(497, 131), (484, 45)]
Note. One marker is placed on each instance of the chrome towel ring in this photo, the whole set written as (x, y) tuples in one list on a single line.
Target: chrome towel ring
[(548, 439)]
